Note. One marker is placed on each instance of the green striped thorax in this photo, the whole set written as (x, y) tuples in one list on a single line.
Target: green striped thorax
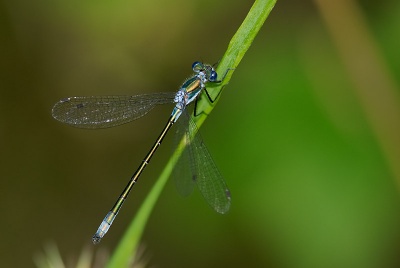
[(193, 86)]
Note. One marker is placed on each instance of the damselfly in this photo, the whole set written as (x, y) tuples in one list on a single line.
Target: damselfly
[(108, 111)]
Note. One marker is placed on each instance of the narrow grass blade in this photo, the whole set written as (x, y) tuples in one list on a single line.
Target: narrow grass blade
[(238, 46)]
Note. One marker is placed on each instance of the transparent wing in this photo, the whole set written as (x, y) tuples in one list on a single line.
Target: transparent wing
[(205, 173), (107, 111), (183, 175)]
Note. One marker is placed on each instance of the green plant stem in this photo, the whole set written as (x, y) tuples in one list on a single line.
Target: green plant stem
[(238, 46)]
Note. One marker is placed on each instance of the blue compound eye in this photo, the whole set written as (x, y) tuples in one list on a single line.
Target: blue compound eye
[(213, 76), (197, 66)]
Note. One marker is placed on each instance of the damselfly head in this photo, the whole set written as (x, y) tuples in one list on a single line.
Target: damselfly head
[(197, 66), (206, 70)]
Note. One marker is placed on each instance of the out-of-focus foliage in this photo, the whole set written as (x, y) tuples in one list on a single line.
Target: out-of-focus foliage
[(311, 185)]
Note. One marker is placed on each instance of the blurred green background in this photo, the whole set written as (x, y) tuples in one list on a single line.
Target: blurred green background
[(313, 179)]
